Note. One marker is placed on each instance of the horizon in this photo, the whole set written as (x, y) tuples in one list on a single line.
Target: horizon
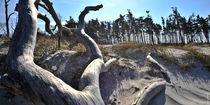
[(113, 8)]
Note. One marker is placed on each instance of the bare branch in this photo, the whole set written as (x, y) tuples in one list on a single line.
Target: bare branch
[(52, 12), (109, 63), (90, 77), (13, 24), (44, 6), (47, 22), (55, 17), (11, 15), (54, 27), (49, 8), (7, 1), (36, 3), (85, 11), (87, 41), (2, 27)]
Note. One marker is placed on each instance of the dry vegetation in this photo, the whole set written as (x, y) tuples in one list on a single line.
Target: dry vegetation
[(4, 43), (46, 45), (189, 58), (185, 62)]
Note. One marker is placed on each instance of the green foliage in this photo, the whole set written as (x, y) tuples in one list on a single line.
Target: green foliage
[(126, 27), (71, 23)]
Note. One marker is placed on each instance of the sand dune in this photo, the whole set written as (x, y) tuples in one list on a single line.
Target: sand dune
[(186, 88)]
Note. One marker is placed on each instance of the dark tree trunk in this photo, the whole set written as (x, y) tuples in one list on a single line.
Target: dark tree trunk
[(129, 36), (181, 37), (158, 38), (142, 41), (7, 17), (207, 37), (152, 39)]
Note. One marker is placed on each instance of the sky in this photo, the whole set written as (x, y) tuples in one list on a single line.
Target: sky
[(112, 8)]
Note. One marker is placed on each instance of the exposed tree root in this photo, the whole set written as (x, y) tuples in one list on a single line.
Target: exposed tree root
[(148, 92)]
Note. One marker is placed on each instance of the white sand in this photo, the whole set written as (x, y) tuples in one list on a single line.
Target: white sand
[(122, 84), (176, 52), (203, 50), (187, 87)]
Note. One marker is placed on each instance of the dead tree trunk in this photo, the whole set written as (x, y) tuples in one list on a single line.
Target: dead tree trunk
[(49, 8), (7, 16), (21, 76)]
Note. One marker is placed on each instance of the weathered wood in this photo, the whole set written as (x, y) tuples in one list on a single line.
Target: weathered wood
[(21, 76), (150, 91), (52, 12), (88, 42), (47, 22)]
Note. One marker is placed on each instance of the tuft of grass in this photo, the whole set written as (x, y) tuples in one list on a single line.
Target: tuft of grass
[(204, 59), (191, 56), (131, 49), (186, 66), (165, 54), (126, 45), (46, 45), (79, 48)]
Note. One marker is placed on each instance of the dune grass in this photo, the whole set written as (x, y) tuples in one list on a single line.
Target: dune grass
[(188, 61), (46, 45)]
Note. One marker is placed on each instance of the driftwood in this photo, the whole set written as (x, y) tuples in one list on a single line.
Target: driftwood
[(21, 76), (48, 6), (149, 92)]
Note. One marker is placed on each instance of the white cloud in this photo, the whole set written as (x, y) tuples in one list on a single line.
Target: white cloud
[(63, 22), (41, 23), (51, 23)]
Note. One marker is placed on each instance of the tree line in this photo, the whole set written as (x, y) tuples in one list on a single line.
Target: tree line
[(175, 29)]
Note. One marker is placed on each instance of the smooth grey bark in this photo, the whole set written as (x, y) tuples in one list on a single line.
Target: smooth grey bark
[(21, 76), (149, 92)]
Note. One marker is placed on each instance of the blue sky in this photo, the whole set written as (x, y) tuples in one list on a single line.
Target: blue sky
[(112, 8)]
